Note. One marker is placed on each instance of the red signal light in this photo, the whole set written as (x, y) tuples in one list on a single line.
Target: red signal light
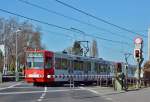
[(137, 53)]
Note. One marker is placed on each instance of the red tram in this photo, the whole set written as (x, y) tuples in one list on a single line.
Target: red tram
[(44, 66), (38, 66)]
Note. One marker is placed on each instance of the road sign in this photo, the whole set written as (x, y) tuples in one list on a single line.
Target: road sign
[(138, 40), (138, 43)]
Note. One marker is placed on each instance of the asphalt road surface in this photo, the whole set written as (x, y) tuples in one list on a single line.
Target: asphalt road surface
[(24, 92)]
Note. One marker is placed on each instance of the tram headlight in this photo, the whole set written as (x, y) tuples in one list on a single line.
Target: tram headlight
[(48, 76)]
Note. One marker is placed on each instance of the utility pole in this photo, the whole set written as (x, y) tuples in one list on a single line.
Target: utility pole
[(16, 62), (4, 42), (148, 43)]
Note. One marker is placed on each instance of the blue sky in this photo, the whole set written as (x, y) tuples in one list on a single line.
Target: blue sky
[(131, 14)]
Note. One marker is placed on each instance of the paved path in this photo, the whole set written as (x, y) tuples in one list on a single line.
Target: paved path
[(142, 95), (23, 92)]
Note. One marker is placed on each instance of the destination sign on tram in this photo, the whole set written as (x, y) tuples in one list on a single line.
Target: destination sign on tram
[(35, 55)]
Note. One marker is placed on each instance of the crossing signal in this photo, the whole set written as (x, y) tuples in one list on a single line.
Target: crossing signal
[(137, 53)]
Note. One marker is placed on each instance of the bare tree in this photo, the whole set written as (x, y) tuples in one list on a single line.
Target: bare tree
[(28, 37)]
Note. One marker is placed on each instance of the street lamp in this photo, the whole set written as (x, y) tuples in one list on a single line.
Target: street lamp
[(16, 62)]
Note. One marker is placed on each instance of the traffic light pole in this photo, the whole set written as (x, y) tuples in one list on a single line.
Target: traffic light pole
[(138, 77), (138, 58), (139, 73)]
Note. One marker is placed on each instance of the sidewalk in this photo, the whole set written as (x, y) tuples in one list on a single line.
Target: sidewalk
[(142, 95)]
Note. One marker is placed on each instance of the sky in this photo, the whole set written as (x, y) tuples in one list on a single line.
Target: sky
[(131, 14)]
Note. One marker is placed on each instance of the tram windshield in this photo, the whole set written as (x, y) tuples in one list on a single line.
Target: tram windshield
[(35, 60)]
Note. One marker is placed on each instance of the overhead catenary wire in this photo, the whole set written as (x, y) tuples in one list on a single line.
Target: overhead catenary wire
[(99, 19), (61, 34), (60, 27), (74, 19)]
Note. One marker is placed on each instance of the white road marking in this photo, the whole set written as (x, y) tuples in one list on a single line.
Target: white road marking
[(24, 87), (45, 89), (93, 91), (10, 86), (43, 94), (39, 100), (32, 92), (110, 99)]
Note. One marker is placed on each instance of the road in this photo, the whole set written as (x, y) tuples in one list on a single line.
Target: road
[(24, 92)]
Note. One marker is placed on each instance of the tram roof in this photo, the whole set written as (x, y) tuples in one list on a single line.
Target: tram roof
[(77, 57)]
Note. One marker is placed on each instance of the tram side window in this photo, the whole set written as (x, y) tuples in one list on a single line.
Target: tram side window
[(96, 67), (64, 63), (89, 66), (102, 68), (76, 65), (108, 69), (58, 63), (85, 67), (105, 68), (48, 63), (111, 68), (80, 65)]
